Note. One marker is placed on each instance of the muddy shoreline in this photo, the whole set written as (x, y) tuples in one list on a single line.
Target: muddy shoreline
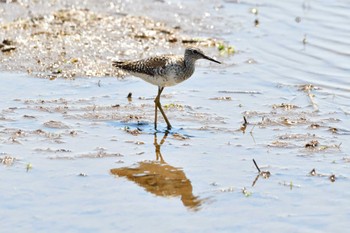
[(74, 41)]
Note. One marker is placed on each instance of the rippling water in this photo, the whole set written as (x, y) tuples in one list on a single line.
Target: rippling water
[(323, 58), (294, 42)]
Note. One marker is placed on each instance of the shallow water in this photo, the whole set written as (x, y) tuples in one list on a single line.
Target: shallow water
[(72, 138)]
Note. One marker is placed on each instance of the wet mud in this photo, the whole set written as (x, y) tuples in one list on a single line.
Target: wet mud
[(68, 41)]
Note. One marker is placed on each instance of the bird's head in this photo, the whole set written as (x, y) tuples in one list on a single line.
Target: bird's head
[(196, 53)]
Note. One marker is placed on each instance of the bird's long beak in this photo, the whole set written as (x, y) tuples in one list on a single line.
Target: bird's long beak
[(210, 59)]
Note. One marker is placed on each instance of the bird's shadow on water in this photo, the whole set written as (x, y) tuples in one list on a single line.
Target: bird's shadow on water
[(148, 128), (160, 178)]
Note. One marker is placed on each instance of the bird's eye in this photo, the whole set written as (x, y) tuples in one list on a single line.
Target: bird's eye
[(195, 51)]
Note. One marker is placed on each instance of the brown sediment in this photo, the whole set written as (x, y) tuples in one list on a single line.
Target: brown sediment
[(73, 42), (7, 160)]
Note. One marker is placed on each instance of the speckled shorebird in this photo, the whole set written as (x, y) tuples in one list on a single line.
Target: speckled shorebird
[(164, 71)]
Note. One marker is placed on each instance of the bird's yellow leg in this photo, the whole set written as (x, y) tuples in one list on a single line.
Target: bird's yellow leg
[(158, 104), (155, 110)]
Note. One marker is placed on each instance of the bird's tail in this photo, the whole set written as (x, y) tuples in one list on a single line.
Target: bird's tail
[(118, 64)]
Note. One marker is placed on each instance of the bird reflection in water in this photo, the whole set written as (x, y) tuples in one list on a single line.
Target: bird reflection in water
[(160, 178)]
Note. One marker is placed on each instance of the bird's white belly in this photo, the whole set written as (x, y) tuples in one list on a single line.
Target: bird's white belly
[(171, 78)]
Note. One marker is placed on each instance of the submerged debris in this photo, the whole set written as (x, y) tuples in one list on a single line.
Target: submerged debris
[(308, 87), (279, 144), (244, 125), (284, 106), (333, 129), (173, 106), (133, 132), (227, 98), (264, 174), (224, 49), (29, 167), (7, 160), (332, 177), (55, 125), (256, 22), (241, 92), (101, 153), (180, 137), (314, 126), (7, 46), (312, 144), (313, 172), (246, 192), (129, 97)]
